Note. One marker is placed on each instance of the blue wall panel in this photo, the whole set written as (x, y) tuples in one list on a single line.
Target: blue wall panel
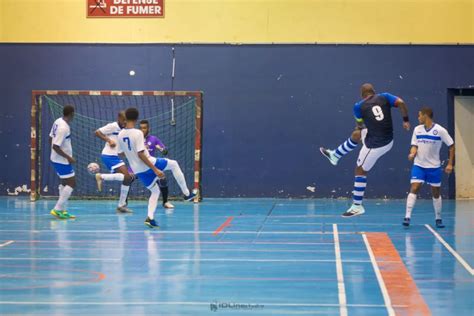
[(267, 109)]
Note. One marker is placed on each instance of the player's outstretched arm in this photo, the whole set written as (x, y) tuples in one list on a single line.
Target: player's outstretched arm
[(404, 111), (450, 165), (150, 165), (106, 139), (412, 154)]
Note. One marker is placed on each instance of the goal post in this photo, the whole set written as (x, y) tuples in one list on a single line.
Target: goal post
[(174, 116)]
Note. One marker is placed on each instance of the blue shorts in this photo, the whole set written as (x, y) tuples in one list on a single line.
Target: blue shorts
[(112, 162), (431, 176), (149, 178), (63, 171)]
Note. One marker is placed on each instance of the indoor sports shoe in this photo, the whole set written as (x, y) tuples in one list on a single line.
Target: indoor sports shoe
[(190, 197), (99, 180), (406, 222), (354, 210), (62, 214), (67, 215), (58, 214), (329, 154), (124, 209), (151, 223), (168, 205), (439, 223)]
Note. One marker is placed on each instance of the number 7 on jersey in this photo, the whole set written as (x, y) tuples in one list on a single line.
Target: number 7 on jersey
[(127, 140)]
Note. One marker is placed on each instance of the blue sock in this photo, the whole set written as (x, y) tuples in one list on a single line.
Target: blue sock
[(345, 148), (359, 188)]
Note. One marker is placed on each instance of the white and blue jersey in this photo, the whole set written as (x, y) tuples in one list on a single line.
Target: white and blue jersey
[(131, 141), (61, 136), (427, 164), (110, 156)]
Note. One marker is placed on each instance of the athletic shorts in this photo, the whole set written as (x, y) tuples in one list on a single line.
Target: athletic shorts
[(431, 176), (112, 162), (149, 178), (369, 156), (63, 171)]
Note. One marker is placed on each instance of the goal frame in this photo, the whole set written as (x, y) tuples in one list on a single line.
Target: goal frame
[(36, 137)]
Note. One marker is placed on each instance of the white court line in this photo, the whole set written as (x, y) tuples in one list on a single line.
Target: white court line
[(188, 303), (7, 243), (242, 232), (383, 288), (341, 289), (192, 260), (451, 250)]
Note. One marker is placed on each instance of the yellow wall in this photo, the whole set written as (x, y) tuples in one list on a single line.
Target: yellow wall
[(257, 21)]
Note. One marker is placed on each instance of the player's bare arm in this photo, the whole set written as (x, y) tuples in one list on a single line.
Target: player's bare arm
[(412, 154), (404, 111), (106, 139), (450, 166)]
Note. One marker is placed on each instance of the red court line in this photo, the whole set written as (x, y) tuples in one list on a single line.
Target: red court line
[(399, 283), (224, 225)]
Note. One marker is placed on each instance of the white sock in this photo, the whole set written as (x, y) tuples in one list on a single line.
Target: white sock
[(153, 201), (437, 204), (60, 187), (123, 194), (63, 197), (112, 177), (411, 200), (178, 175)]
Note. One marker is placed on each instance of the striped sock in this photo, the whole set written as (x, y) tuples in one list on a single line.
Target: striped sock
[(345, 148), (360, 183)]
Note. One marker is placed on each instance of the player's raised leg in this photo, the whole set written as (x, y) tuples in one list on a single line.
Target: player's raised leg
[(346, 147), (179, 177)]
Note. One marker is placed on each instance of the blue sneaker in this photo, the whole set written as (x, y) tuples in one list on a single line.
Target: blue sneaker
[(439, 223), (151, 223), (190, 197), (406, 222)]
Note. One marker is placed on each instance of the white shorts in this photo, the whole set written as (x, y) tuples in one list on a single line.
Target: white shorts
[(369, 156)]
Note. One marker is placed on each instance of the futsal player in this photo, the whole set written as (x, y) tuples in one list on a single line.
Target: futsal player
[(147, 168), (154, 144), (62, 160), (375, 127), (426, 144), (110, 158)]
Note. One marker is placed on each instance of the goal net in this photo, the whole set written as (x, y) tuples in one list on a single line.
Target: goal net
[(174, 117)]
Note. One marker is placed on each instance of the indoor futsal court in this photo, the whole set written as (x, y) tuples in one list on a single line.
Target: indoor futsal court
[(267, 157)]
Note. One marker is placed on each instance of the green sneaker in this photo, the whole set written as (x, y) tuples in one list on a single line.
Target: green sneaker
[(67, 215), (62, 214), (58, 214)]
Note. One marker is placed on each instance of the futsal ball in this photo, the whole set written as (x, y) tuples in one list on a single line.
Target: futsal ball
[(93, 168)]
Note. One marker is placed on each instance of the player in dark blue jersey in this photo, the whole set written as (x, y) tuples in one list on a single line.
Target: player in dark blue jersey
[(375, 128)]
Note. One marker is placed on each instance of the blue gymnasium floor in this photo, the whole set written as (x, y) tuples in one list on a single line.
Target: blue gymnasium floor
[(278, 254)]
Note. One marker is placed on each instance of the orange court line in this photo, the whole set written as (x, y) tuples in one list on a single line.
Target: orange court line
[(400, 285), (224, 225)]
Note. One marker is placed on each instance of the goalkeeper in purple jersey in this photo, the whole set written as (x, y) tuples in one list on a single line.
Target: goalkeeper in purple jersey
[(152, 144)]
